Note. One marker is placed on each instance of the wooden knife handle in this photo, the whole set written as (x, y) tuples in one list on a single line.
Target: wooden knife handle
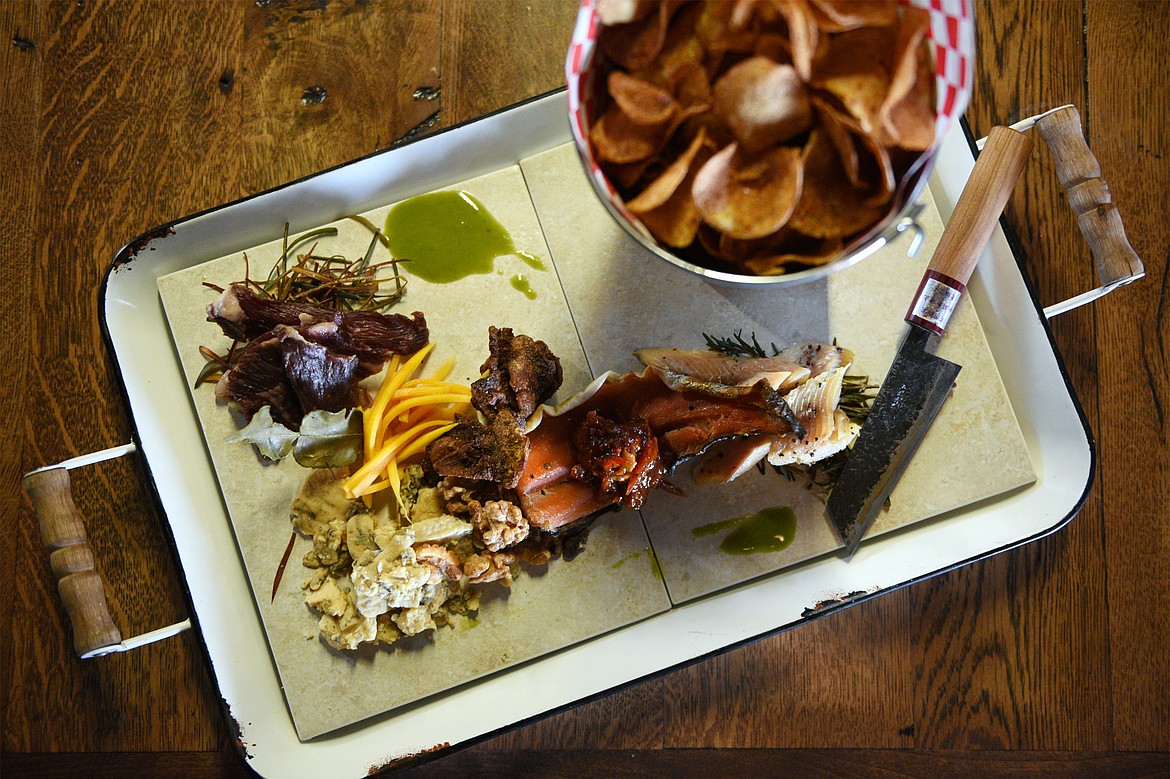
[(997, 169), (71, 559), (1089, 196)]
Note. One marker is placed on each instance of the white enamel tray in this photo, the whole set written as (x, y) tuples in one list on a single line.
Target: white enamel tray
[(167, 435)]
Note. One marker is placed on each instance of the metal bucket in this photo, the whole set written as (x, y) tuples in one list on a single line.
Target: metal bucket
[(953, 44)]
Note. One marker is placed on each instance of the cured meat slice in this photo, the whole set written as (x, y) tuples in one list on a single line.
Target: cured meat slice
[(258, 379), (828, 429), (704, 365), (571, 473), (320, 378), (243, 315), (818, 357), (560, 504)]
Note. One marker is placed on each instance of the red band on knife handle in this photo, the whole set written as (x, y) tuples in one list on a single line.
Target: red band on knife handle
[(935, 301)]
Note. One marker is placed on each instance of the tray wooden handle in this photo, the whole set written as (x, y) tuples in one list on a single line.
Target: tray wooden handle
[(1088, 195), (71, 559)]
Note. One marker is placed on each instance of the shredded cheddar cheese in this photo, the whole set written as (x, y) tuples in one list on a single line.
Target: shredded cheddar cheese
[(407, 414)]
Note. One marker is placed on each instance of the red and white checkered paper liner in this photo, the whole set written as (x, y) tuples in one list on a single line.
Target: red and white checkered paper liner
[(952, 34)]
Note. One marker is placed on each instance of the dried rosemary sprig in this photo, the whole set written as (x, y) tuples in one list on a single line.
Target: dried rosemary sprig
[(856, 391), (819, 478), (334, 281)]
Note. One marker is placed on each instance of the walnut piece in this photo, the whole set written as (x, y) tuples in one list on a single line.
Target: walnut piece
[(489, 567), (500, 523)]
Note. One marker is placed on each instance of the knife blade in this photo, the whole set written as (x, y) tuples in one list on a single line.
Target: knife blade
[(918, 382)]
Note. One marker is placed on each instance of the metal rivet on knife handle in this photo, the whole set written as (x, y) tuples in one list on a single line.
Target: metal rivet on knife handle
[(1088, 195), (975, 216), (71, 559)]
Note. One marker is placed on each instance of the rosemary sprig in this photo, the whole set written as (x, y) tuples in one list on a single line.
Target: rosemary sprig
[(333, 281), (857, 396), (819, 478), (737, 346)]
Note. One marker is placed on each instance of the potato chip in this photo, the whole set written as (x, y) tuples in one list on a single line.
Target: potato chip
[(626, 175), (748, 13), (806, 44), (690, 86), (811, 254), (674, 223), (829, 206), (834, 126), (843, 15), (640, 100), (634, 45), (748, 195), (619, 139), (681, 47), (713, 24), (675, 220), (739, 250), (879, 177), (622, 11), (855, 74), (709, 238), (661, 189), (907, 115), (683, 56), (773, 46), (763, 103), (866, 162)]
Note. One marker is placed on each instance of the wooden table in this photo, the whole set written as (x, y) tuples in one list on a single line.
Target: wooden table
[(1052, 659)]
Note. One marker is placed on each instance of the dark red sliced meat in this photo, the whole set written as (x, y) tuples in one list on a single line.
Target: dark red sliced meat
[(258, 379), (371, 336), (320, 378)]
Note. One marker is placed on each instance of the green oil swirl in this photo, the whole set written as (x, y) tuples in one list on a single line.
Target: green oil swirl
[(447, 236), (768, 530)]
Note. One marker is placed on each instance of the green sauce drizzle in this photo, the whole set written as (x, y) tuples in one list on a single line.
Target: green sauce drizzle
[(531, 260), (655, 566), (769, 530), (626, 559), (519, 282), (447, 236)]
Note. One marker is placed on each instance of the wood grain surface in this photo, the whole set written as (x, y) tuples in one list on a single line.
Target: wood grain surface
[(1048, 660)]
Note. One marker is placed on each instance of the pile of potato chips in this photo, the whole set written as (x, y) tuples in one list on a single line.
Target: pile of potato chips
[(761, 136)]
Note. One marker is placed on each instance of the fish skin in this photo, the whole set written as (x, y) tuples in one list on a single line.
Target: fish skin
[(818, 357), (706, 366)]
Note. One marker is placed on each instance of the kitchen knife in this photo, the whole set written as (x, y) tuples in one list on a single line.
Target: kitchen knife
[(919, 382)]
